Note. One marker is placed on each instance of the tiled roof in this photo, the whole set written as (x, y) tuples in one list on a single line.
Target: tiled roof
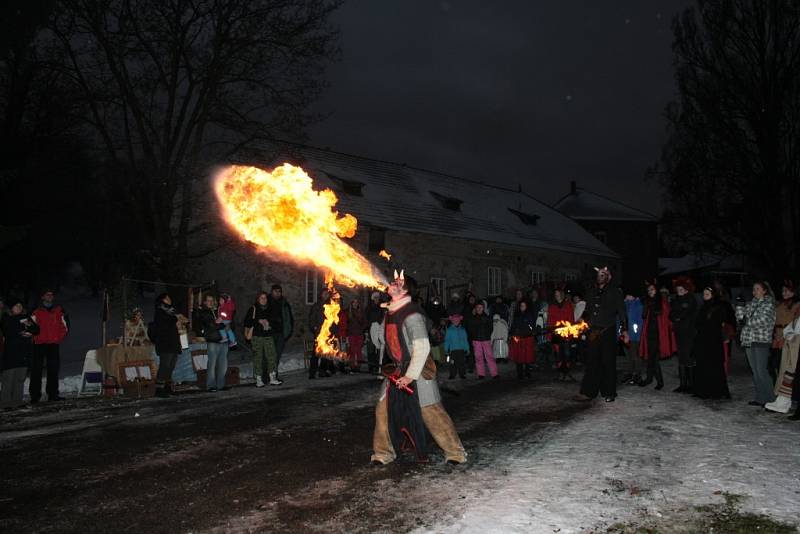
[(400, 197), (586, 205)]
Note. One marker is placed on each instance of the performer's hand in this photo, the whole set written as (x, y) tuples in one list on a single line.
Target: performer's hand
[(626, 338), (404, 381)]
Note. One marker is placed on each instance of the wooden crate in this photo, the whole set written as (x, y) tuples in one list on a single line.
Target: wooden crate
[(141, 386)]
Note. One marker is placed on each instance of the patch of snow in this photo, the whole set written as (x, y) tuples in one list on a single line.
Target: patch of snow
[(646, 454)]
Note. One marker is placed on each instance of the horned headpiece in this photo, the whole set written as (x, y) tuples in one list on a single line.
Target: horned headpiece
[(605, 270), (400, 276)]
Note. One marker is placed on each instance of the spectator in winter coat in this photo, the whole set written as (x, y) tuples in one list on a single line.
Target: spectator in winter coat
[(522, 348), (480, 329), (658, 339), (682, 314), (710, 379), (265, 358), (209, 326), (18, 329), (456, 347), (282, 321), (53, 327), (633, 309), (561, 311), (167, 342), (758, 322), (499, 338), (227, 310)]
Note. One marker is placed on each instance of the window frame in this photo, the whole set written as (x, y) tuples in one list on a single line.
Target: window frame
[(494, 277)]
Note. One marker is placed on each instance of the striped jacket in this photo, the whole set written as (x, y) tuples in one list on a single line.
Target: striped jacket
[(758, 320)]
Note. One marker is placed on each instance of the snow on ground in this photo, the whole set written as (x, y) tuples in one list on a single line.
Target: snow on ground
[(646, 455)]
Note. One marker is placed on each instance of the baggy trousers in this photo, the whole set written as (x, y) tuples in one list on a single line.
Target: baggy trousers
[(600, 374), (436, 421), (13, 382), (264, 352)]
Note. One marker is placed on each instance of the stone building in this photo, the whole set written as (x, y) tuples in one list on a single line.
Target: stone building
[(630, 232), (450, 233)]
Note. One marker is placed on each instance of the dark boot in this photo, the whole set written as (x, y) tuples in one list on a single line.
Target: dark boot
[(689, 380), (647, 381), (635, 380), (796, 416), (520, 371), (682, 374), (659, 378)]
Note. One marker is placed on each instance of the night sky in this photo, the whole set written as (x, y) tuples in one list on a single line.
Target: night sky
[(537, 93)]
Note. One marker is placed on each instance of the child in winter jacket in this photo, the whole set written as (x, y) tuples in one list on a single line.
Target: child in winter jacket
[(227, 309), (456, 346)]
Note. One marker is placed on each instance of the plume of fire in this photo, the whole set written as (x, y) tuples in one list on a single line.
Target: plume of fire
[(384, 254), (566, 329), (281, 213)]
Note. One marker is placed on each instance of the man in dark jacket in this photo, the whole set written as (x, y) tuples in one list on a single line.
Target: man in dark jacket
[(53, 327), (282, 321), (605, 308), (18, 329)]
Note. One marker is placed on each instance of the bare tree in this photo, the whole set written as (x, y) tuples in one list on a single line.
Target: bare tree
[(171, 86), (731, 165)]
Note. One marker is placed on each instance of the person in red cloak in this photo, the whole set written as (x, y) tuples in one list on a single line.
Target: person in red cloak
[(658, 339)]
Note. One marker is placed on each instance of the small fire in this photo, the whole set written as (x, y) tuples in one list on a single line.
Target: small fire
[(284, 216), (566, 329), (384, 254)]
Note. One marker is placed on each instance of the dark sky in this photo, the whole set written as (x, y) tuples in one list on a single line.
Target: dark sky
[(531, 92)]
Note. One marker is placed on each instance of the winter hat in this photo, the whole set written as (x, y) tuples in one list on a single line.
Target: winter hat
[(455, 316), (496, 317), (13, 301)]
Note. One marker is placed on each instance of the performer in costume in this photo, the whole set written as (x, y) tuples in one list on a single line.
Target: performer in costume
[(604, 310), (402, 417)]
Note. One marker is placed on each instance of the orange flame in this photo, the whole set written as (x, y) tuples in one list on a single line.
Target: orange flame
[(384, 254), (566, 329), (282, 214)]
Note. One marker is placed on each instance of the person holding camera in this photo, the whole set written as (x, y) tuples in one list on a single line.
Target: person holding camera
[(18, 329)]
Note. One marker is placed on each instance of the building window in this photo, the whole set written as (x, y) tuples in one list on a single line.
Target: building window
[(377, 239), (312, 287), (538, 278), (493, 287), (438, 287), (569, 275), (602, 237)]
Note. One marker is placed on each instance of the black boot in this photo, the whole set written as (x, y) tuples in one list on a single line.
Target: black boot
[(682, 374), (647, 381), (659, 378), (520, 371), (689, 380)]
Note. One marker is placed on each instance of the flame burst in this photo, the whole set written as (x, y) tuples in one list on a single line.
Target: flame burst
[(280, 212), (384, 254), (566, 329)]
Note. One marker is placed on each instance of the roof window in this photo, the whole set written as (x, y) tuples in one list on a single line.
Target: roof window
[(448, 203), (528, 218)]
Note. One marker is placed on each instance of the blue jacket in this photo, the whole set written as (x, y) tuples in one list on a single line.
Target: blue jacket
[(456, 339), (634, 311)]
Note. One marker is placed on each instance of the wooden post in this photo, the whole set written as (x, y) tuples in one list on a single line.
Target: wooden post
[(124, 308)]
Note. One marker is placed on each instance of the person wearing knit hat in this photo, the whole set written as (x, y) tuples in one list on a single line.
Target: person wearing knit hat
[(682, 313), (53, 324)]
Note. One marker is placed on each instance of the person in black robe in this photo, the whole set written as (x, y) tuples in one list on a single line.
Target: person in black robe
[(710, 380)]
